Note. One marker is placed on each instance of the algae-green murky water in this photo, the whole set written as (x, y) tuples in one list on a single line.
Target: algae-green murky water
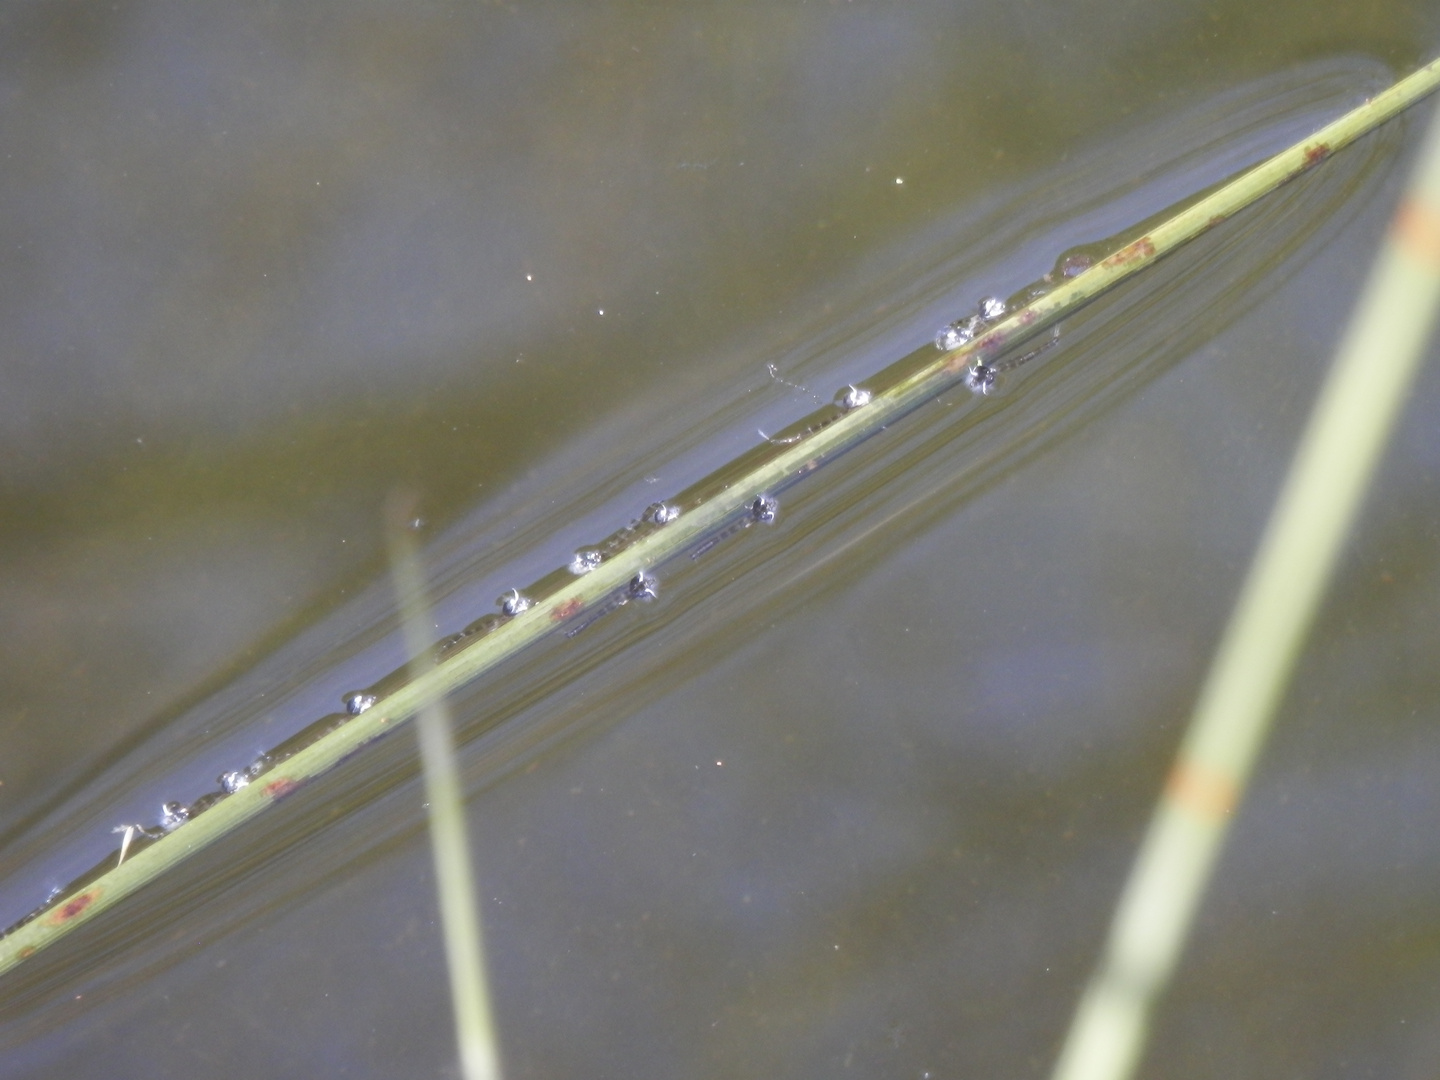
[(862, 796)]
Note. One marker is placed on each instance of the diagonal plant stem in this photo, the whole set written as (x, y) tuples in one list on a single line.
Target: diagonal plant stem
[(615, 570), (1374, 368)]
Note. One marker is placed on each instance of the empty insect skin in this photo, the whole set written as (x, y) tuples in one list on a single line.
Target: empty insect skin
[(585, 561), (961, 332), (358, 702), (980, 378), (765, 509), (512, 603), (173, 815), (643, 587), (660, 514)]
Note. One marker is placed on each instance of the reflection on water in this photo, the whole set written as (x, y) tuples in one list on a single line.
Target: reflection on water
[(880, 771)]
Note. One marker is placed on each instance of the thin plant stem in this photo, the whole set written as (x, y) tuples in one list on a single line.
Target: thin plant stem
[(738, 494), (444, 794), (1374, 368)]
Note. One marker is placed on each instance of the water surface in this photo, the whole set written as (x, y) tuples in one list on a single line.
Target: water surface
[(865, 803)]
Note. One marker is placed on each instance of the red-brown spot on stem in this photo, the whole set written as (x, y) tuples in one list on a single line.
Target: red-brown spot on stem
[(990, 342), (561, 612), (1316, 154), (74, 906), (1144, 248), (1028, 316), (1207, 794), (278, 789), (1417, 230), (1216, 220)]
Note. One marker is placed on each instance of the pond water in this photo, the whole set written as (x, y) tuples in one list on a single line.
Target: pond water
[(859, 792)]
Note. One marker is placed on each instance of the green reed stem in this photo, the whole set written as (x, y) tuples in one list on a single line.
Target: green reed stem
[(559, 598), (1374, 368), (454, 878)]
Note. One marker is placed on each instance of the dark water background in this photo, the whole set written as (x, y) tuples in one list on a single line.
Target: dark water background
[(861, 799)]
